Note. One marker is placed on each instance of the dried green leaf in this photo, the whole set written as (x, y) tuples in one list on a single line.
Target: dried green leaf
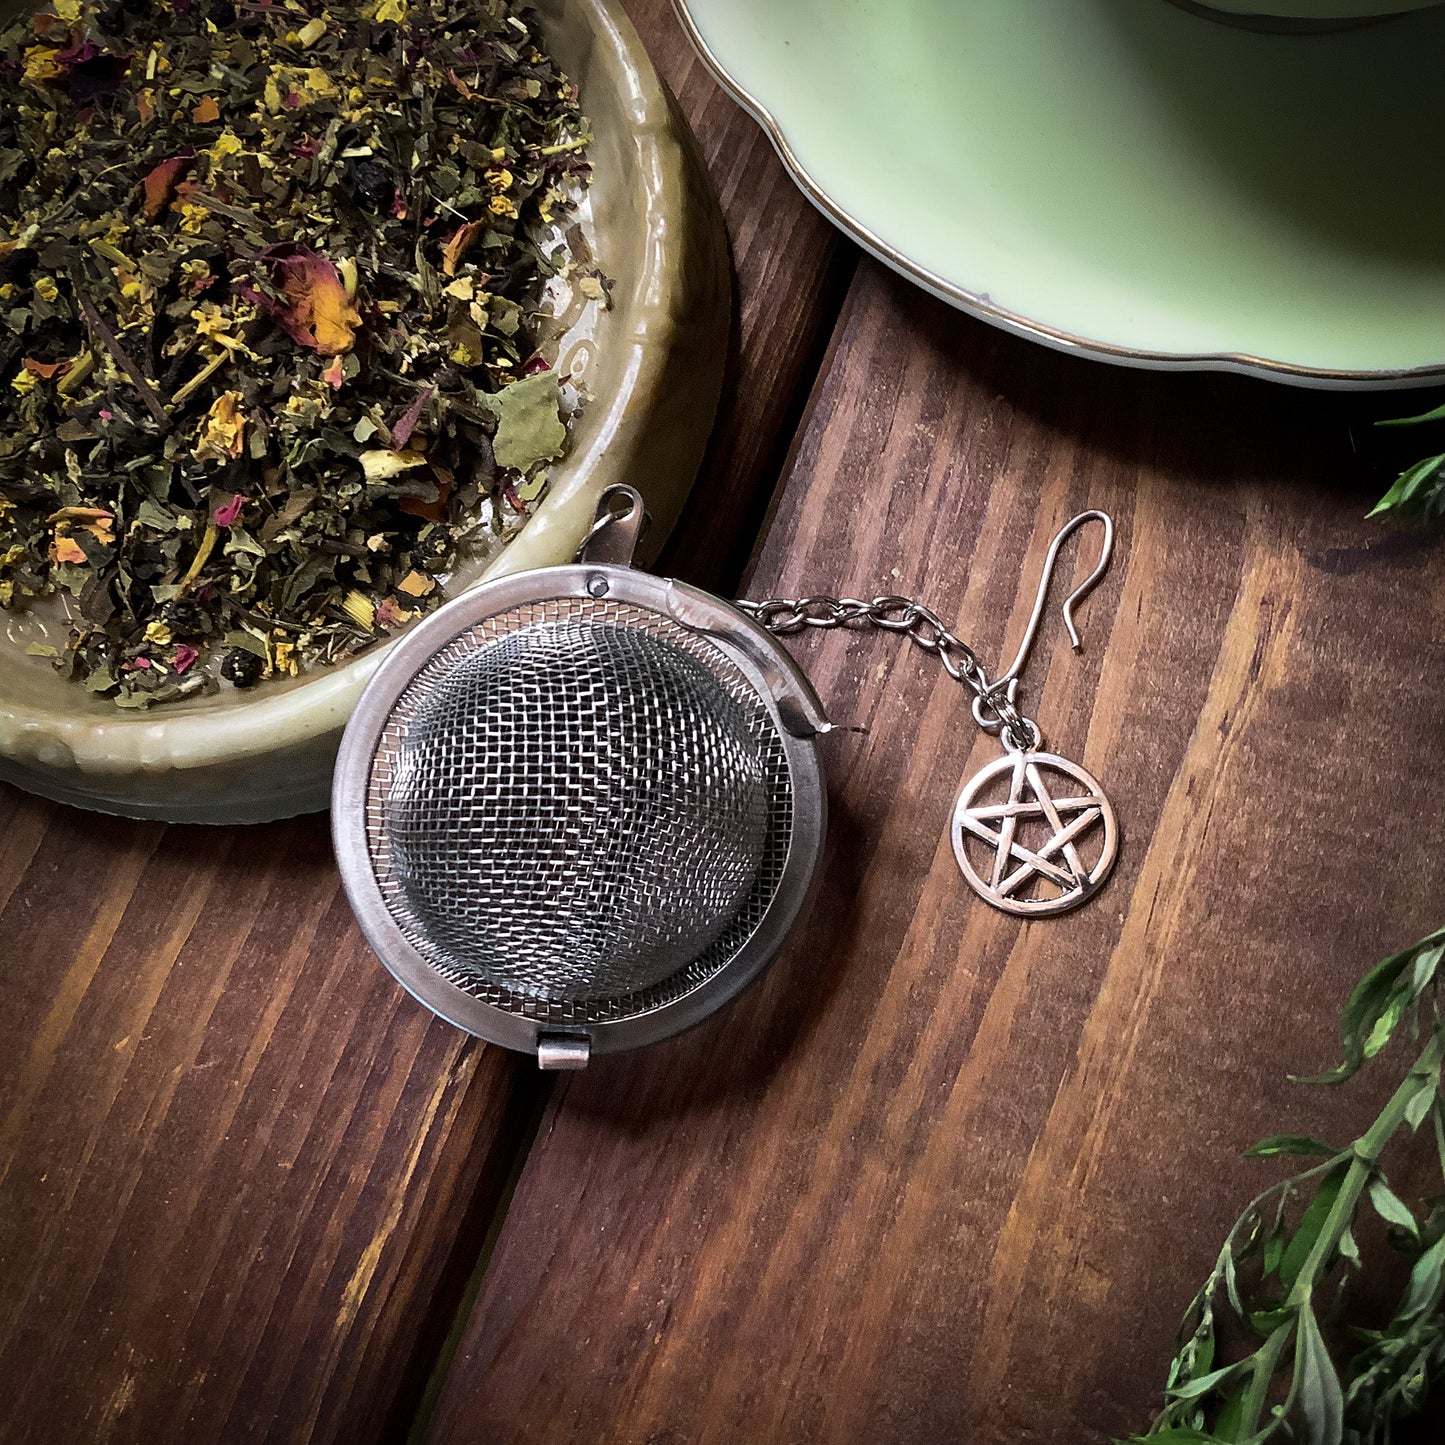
[(529, 423)]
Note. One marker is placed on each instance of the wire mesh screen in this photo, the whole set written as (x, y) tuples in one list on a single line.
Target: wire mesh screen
[(579, 810)]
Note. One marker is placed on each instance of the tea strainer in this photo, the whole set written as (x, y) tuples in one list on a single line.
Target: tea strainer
[(578, 809)]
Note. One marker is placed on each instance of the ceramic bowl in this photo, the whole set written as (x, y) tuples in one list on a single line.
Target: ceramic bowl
[(1123, 179), (653, 365)]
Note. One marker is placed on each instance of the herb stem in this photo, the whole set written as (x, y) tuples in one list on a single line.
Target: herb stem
[(1364, 1155), (1266, 1365), (111, 342), (203, 553), (202, 376)]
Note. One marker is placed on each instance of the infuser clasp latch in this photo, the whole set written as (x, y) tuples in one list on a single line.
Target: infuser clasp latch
[(617, 524), (563, 1051)]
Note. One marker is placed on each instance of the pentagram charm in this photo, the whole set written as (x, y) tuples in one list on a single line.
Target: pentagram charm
[(1045, 846)]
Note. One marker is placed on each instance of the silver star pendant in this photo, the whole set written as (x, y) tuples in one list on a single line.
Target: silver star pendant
[(1042, 850)]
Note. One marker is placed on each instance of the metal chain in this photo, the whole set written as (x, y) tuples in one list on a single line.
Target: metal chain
[(923, 627)]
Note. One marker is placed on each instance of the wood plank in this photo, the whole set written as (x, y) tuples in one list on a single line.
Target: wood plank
[(224, 1141), (243, 1178), (792, 271), (944, 1175)]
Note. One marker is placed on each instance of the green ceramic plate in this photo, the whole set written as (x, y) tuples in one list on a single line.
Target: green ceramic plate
[(1120, 177)]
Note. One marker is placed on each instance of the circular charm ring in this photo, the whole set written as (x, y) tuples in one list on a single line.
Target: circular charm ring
[(1044, 847)]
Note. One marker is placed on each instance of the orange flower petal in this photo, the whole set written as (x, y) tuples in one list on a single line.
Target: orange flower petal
[(457, 247), (160, 185), (46, 370)]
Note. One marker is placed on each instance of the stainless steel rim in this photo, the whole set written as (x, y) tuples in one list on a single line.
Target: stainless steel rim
[(762, 661)]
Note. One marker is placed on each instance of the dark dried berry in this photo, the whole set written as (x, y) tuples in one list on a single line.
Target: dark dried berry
[(17, 265), (221, 13), (186, 618), (371, 185), (242, 667)]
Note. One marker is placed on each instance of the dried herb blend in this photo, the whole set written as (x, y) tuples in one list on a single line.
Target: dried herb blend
[(271, 297)]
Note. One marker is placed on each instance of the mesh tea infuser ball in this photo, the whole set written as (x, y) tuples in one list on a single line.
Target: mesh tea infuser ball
[(578, 809)]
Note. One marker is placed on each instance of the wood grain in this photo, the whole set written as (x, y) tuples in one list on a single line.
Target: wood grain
[(243, 1179), (792, 271), (945, 1176), (224, 1141)]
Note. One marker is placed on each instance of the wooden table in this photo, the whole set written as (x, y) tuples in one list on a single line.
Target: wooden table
[(942, 1176)]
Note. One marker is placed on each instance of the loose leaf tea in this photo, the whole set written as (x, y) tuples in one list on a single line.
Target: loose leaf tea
[(274, 275)]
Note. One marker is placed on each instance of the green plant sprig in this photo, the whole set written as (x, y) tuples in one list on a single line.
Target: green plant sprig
[(1419, 491), (1299, 1260)]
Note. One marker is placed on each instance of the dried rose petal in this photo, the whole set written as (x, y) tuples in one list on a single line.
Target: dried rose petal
[(401, 432), (227, 512), (392, 614), (316, 311)]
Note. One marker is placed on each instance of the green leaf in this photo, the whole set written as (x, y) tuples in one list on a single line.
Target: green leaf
[(1423, 1291), (1310, 1225), (1419, 491), (1390, 1207), (1230, 1424), (1178, 1436), (1231, 1280), (1437, 414), (1203, 1360), (1387, 1022), (1273, 1144), (529, 423), (1349, 1250), (1427, 965), (1193, 1389), (1266, 1322), (1424, 1095), (1379, 1001), (1322, 1402), (1175, 1436), (1274, 1247)]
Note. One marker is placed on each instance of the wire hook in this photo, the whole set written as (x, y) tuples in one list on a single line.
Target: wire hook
[(1010, 677)]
